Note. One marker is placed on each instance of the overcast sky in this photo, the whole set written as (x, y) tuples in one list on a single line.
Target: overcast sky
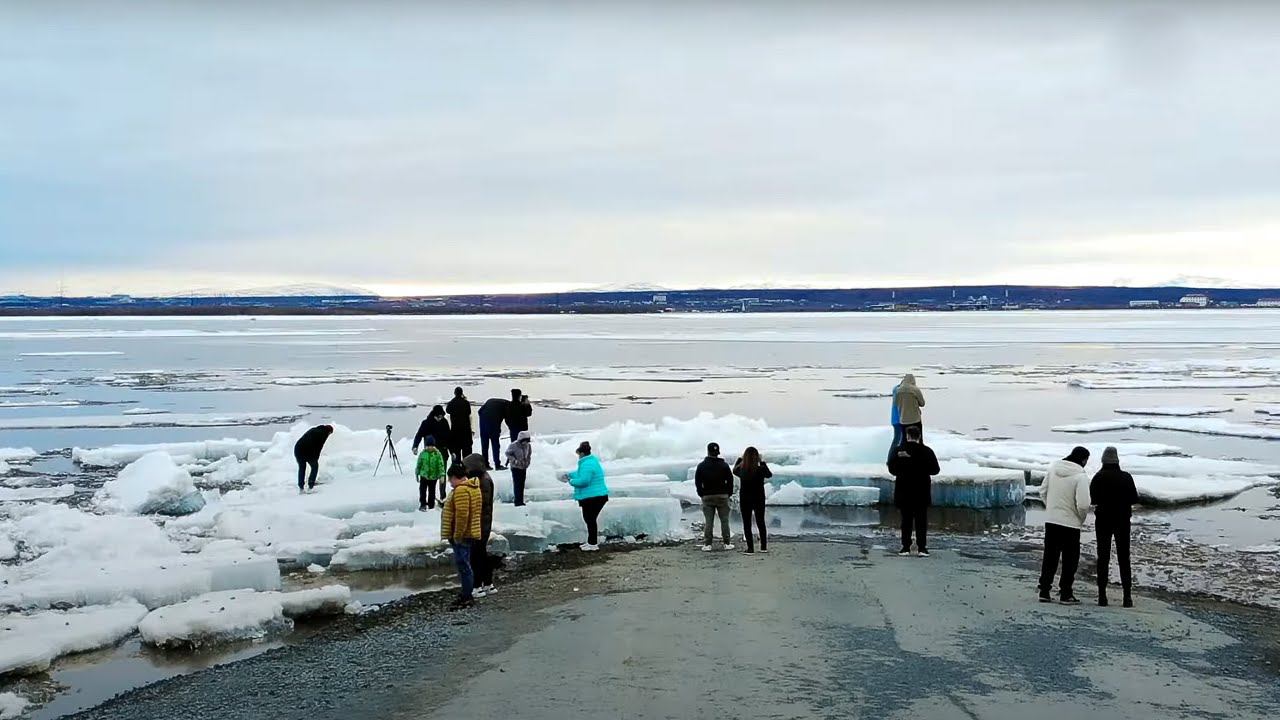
[(419, 147)]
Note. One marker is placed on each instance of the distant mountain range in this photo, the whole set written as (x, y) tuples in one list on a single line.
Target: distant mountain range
[(294, 290)]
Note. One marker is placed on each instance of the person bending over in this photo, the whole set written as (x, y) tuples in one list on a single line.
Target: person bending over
[(913, 466), (307, 452), (492, 414)]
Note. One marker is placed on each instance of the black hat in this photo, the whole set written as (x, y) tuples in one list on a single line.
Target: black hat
[(713, 449)]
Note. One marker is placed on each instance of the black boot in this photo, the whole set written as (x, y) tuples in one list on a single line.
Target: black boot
[(1128, 600), (1102, 597)]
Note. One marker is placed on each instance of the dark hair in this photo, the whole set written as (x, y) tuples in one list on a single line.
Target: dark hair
[(437, 410), (457, 391), (515, 393), (912, 432), (456, 470), (429, 440), (750, 458), (1079, 455), (713, 449), (584, 448)]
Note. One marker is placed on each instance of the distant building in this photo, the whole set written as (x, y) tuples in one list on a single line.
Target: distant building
[(1268, 303), (660, 299), (1194, 300), (1138, 304)]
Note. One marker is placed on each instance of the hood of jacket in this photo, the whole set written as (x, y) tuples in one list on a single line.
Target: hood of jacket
[(1066, 468), (909, 380), (524, 436), (474, 464)]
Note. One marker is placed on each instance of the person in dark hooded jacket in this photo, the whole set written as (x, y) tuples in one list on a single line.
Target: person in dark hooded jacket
[(518, 412), (307, 452), (435, 426), (481, 562), (913, 466), (1113, 495), (492, 414), (460, 439), (753, 472), (714, 482)]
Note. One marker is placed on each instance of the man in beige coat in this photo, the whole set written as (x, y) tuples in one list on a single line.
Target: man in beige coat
[(1065, 493)]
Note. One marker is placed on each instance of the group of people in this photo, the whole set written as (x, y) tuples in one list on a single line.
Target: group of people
[(447, 466)]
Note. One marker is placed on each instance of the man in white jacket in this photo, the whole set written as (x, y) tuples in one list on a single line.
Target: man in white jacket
[(1066, 498)]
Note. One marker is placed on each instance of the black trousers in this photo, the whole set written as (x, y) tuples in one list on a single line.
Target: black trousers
[(427, 493), (1060, 542), (1116, 528), (481, 564), (491, 439), (591, 508), (517, 483), (754, 509), (302, 471), (916, 518)]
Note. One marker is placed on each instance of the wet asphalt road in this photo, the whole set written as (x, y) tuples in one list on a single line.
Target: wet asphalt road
[(811, 630)]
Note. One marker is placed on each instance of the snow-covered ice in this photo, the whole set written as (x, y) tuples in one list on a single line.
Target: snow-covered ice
[(143, 411), (31, 641), (1173, 383), (398, 401), (315, 380), (151, 484), (1203, 426), (233, 615), (71, 353), (12, 705), (655, 518), (181, 452), (581, 406), (37, 493), (145, 421)]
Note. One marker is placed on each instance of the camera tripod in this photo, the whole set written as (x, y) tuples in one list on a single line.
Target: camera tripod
[(388, 447)]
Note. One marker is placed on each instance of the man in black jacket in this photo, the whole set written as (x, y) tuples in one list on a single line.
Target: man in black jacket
[(1113, 496), (714, 480), (913, 466), (518, 412), (307, 452), (492, 413), (459, 409)]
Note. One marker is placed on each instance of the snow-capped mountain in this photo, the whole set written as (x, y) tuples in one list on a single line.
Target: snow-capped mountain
[(294, 290)]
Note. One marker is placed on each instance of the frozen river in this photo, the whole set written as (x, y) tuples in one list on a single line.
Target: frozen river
[(1192, 398)]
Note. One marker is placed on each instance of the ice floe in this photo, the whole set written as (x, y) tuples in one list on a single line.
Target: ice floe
[(399, 401), (37, 493), (151, 484), (1172, 383), (794, 493), (1202, 426), (29, 642), (235, 615), (146, 421), (71, 353), (1174, 411), (12, 705), (181, 452)]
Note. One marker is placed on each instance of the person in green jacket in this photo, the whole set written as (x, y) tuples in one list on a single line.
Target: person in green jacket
[(430, 471)]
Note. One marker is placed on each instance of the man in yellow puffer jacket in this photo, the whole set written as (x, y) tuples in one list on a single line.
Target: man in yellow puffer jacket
[(460, 527)]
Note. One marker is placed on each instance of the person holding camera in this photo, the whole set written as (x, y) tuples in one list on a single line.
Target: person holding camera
[(518, 412), (460, 440)]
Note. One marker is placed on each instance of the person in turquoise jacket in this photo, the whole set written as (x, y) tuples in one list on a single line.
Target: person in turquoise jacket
[(590, 491)]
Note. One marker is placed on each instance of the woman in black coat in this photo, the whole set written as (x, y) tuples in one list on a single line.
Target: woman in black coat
[(753, 472), (435, 426)]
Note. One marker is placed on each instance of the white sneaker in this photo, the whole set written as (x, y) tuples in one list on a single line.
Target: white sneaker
[(923, 553), (491, 590), (588, 547), (478, 593), (707, 548), (728, 546)]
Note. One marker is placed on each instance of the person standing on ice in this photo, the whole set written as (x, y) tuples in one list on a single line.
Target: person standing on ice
[(1113, 496), (480, 560), (435, 426), (519, 457), (913, 466), (753, 473), (430, 471), (460, 526), (1065, 492), (518, 413), (459, 409), (907, 401), (492, 414), (590, 491), (714, 481), (307, 452)]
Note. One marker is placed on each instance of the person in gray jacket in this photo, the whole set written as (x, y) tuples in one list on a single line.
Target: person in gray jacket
[(519, 457)]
